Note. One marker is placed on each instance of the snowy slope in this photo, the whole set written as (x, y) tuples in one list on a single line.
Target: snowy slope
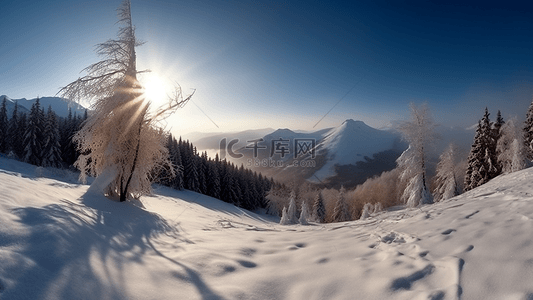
[(56, 242), (350, 143), (59, 105)]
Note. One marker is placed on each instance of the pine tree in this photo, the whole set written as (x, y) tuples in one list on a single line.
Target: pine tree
[(496, 134), (498, 125), (528, 133), (213, 183), (232, 191), (319, 209), (237, 189), (67, 130), (4, 127), (340, 212), (489, 144), (192, 173), (14, 136), (51, 148), (482, 160), (474, 162), (33, 137), (202, 173), (18, 135), (445, 178), (175, 157)]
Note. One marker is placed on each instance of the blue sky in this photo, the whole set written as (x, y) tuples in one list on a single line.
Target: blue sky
[(280, 64)]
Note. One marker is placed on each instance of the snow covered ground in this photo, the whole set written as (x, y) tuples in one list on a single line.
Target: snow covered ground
[(59, 242)]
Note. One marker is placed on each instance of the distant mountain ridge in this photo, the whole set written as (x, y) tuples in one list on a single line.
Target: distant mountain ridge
[(59, 105), (286, 154), (345, 155)]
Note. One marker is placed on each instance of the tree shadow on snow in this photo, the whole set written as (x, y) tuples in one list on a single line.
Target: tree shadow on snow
[(80, 250)]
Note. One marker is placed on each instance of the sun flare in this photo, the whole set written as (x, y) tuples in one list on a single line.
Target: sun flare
[(155, 89)]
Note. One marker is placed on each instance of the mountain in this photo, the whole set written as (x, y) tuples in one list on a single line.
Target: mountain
[(346, 155), (352, 142), (59, 105), (59, 241), (10, 105)]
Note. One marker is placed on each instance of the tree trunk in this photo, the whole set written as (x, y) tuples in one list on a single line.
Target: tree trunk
[(124, 193)]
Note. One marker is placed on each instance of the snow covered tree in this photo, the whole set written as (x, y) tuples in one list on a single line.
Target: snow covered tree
[(340, 212), (33, 136), (4, 127), (510, 148), (175, 157), (496, 134), (482, 160), (289, 216), (51, 155), (319, 209), (120, 141), (498, 125), (419, 132), (445, 177), (368, 208), (68, 129), (528, 133), (284, 218), (202, 173), (304, 214), (191, 172), (213, 184), (475, 161)]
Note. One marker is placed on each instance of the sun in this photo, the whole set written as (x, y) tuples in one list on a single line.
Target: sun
[(155, 89)]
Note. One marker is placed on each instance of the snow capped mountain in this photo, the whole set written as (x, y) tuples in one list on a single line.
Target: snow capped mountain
[(59, 105), (10, 105), (350, 143)]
